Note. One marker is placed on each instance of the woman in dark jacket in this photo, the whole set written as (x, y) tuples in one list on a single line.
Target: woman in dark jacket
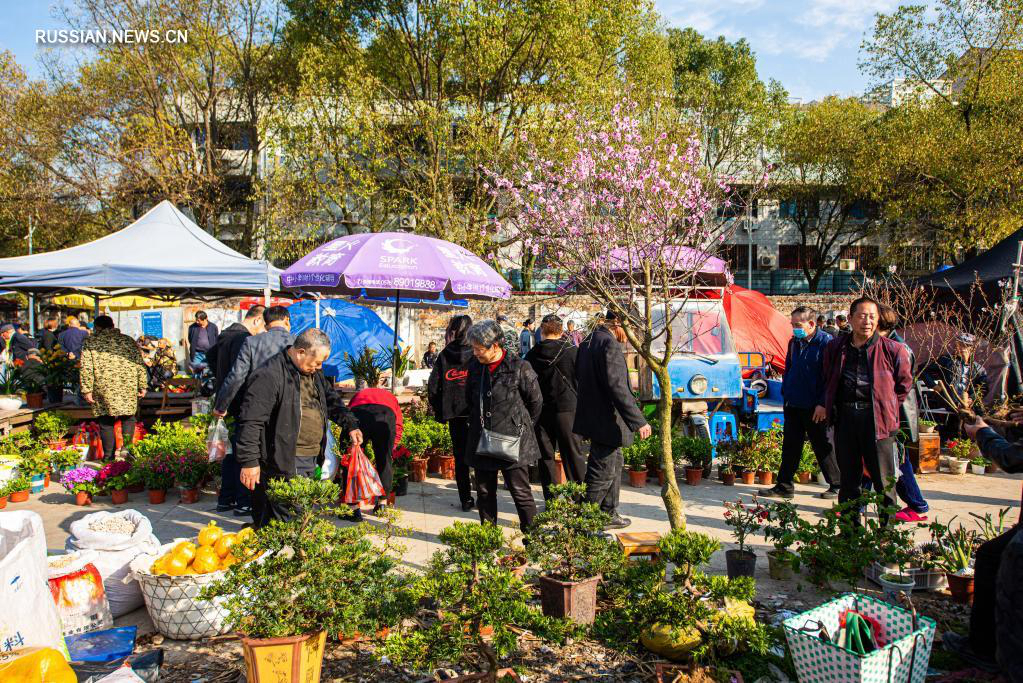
[(504, 397), (446, 391), (553, 361)]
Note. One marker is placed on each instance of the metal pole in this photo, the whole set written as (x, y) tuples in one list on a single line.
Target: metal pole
[(395, 352), (317, 313), (31, 297), (749, 248)]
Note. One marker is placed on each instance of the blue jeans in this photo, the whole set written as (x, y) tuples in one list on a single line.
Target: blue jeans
[(231, 490)]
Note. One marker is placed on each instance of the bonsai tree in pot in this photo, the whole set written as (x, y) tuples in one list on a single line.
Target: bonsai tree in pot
[(698, 452), (52, 427), (471, 607), (635, 456), (567, 543), (781, 530), (311, 577), (744, 520), (955, 548)]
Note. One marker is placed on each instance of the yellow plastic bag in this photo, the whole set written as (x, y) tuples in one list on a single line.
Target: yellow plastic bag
[(36, 665)]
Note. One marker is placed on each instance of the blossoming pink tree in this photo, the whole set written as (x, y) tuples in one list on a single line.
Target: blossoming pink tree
[(626, 214)]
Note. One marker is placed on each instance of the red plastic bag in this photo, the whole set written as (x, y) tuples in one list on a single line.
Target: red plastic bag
[(363, 485)]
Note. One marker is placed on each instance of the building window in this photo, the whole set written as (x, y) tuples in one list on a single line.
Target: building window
[(865, 255), (737, 209), (736, 255), (796, 256)]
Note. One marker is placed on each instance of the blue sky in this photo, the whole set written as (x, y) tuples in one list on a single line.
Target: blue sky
[(811, 46)]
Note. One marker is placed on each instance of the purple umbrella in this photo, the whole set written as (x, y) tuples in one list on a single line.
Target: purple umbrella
[(392, 264)]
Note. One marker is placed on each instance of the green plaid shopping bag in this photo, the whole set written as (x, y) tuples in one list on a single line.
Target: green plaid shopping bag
[(903, 659)]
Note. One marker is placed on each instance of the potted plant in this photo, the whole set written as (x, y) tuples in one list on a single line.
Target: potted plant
[(51, 428), (742, 454), (4, 493), (471, 608), (781, 530), (567, 543), (190, 469), (961, 452), (635, 456), (64, 459), (807, 466), (895, 547), (10, 392), (955, 548), (698, 452), (979, 465), (157, 473), (926, 426), (366, 367), (768, 455), (168, 450), (35, 465), (416, 441), (18, 489), (401, 462), (58, 372), (403, 361), (81, 481), (312, 578), (744, 520), (113, 478), (32, 382), (441, 446)]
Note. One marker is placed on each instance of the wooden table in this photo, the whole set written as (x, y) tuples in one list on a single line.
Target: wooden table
[(14, 421), (640, 543)]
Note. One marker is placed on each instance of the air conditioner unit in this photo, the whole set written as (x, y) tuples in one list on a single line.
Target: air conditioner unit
[(847, 264), (407, 222), (766, 261)]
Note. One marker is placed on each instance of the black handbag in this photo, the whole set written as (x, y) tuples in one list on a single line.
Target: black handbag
[(502, 447)]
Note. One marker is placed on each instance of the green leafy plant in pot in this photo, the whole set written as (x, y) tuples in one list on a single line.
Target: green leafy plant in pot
[(567, 543), (781, 530), (470, 608), (696, 451), (894, 543), (18, 489), (51, 428), (310, 578), (635, 457), (808, 466), (366, 367), (955, 552)]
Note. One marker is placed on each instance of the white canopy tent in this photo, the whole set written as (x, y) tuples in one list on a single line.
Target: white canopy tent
[(163, 254)]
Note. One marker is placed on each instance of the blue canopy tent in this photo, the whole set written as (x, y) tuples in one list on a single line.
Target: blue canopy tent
[(349, 326)]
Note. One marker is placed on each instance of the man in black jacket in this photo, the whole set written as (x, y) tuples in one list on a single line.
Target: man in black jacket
[(553, 361), (607, 415), (254, 352), (282, 428), (233, 496), (996, 632)]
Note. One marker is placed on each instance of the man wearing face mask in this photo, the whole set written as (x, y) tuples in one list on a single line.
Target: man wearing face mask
[(803, 391)]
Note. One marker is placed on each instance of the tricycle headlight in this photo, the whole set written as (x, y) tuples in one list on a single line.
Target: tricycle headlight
[(698, 384)]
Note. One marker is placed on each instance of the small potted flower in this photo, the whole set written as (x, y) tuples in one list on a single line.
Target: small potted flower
[(113, 478), (979, 465), (190, 468), (18, 489), (635, 459), (744, 520), (926, 426), (961, 451), (81, 481), (781, 529), (158, 476), (955, 555)]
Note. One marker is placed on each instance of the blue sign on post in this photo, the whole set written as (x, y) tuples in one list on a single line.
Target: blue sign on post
[(152, 324)]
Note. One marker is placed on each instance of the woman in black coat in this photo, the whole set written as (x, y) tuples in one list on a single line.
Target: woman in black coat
[(446, 392), (504, 397)]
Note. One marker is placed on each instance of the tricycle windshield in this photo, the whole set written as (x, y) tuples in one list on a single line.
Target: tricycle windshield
[(699, 327)]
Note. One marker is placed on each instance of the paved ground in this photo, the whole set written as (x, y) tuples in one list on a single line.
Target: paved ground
[(432, 505)]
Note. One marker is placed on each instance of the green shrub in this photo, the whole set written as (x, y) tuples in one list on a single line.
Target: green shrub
[(697, 451), (52, 425), (566, 540)]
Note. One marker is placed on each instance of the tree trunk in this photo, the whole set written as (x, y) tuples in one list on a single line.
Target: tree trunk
[(528, 263), (813, 280), (670, 493)]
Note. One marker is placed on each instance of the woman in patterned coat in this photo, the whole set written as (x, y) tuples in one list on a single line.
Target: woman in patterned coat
[(114, 377)]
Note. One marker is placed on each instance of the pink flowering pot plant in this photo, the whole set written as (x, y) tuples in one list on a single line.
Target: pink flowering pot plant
[(114, 478), (82, 482), (744, 520)]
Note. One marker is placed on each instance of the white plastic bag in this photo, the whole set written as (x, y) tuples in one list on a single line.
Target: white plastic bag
[(331, 459), (114, 552), (29, 617), (77, 589), (217, 441)]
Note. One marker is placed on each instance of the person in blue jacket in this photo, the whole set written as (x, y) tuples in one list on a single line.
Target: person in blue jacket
[(803, 393)]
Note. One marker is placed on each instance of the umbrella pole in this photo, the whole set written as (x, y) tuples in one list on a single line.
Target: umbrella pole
[(394, 351)]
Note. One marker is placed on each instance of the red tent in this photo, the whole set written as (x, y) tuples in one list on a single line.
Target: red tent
[(756, 325)]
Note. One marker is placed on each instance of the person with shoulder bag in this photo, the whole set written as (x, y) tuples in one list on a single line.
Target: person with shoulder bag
[(504, 402)]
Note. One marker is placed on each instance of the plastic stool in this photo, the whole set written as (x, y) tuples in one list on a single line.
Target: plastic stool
[(723, 427)]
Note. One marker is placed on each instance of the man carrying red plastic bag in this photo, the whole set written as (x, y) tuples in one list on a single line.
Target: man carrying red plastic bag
[(282, 423)]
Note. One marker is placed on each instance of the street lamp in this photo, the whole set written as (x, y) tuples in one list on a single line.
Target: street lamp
[(749, 246)]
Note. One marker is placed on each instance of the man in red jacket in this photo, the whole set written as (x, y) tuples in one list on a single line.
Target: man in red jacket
[(866, 379), (381, 423)]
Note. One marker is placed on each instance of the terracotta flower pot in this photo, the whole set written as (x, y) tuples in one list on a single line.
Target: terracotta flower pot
[(119, 496), (56, 445), (765, 478), (961, 588), (559, 471), (46, 480), (189, 495), (83, 498), (660, 477), (157, 496), (728, 478), (35, 400), (637, 478), (417, 471), (300, 656), (3, 502), (433, 463), (804, 477), (18, 496), (447, 467), (748, 476), (694, 475), (575, 600)]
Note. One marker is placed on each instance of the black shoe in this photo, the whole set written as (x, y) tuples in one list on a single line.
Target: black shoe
[(377, 508), (468, 505), (225, 507), (960, 646), (830, 494), (618, 522), (243, 511), (775, 492), (356, 515)]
